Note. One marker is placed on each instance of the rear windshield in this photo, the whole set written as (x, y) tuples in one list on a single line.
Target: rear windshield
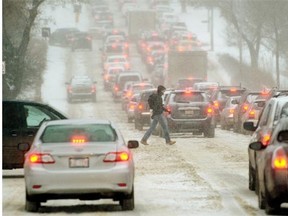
[(89, 133), (187, 97), (125, 79)]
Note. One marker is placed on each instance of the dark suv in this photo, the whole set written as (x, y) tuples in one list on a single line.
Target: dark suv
[(62, 36), (191, 111), (275, 109), (81, 40), (21, 121), (142, 114)]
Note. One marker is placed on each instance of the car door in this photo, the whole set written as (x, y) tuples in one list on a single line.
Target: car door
[(21, 121), (13, 124)]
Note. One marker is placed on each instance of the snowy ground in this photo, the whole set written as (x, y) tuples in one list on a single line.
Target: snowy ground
[(197, 176)]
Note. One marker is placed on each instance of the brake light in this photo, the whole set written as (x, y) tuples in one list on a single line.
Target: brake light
[(266, 139), (93, 89), (233, 90), (131, 107), (127, 65), (70, 89), (279, 159), (245, 107), (216, 104), (251, 114), (231, 111), (140, 106), (116, 88), (41, 158), (106, 77), (209, 110), (116, 157), (129, 94), (79, 139)]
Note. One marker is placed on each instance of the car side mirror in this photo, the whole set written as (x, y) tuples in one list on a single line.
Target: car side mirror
[(257, 146), (23, 146), (283, 136), (133, 144), (249, 126)]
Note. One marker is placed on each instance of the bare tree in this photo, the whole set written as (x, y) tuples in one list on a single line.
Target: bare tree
[(18, 19)]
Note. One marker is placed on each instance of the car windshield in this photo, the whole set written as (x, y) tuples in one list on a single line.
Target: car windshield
[(86, 133)]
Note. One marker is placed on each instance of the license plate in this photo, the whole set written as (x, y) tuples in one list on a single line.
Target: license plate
[(189, 112), (78, 162)]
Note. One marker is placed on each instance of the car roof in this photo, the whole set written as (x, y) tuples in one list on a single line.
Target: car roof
[(78, 121)]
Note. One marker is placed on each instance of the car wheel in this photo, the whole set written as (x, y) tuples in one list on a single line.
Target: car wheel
[(127, 203), (256, 181), (209, 132), (251, 178), (270, 206), (31, 205), (261, 199)]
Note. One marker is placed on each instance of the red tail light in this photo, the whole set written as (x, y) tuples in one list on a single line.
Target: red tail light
[(93, 89), (41, 158), (116, 88), (209, 110), (245, 107), (140, 106), (216, 104), (131, 107), (106, 77), (231, 111), (70, 89), (279, 159), (266, 139), (252, 114), (116, 157)]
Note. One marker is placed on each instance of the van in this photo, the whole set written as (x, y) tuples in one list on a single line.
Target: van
[(21, 121), (121, 79)]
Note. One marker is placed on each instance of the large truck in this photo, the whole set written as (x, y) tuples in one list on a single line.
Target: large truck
[(183, 65), (140, 20)]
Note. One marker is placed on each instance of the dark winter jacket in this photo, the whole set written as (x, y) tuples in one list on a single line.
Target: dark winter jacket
[(158, 107)]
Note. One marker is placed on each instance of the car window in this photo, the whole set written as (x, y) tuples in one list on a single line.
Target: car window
[(35, 115), (284, 112), (265, 115), (81, 133)]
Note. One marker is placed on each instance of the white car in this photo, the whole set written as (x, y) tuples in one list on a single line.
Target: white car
[(116, 60), (79, 159)]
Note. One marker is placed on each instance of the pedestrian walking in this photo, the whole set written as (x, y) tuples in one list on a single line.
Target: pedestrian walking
[(156, 104)]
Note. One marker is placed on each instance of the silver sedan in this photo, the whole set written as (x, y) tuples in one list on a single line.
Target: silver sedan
[(79, 159)]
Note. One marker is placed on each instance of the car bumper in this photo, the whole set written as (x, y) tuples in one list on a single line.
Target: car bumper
[(79, 181), (82, 95), (277, 185), (188, 124)]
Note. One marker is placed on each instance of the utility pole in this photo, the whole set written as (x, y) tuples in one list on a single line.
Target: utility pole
[(211, 21)]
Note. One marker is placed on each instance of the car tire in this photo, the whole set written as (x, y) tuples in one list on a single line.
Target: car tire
[(127, 203), (251, 178), (209, 132), (31, 205), (261, 200)]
